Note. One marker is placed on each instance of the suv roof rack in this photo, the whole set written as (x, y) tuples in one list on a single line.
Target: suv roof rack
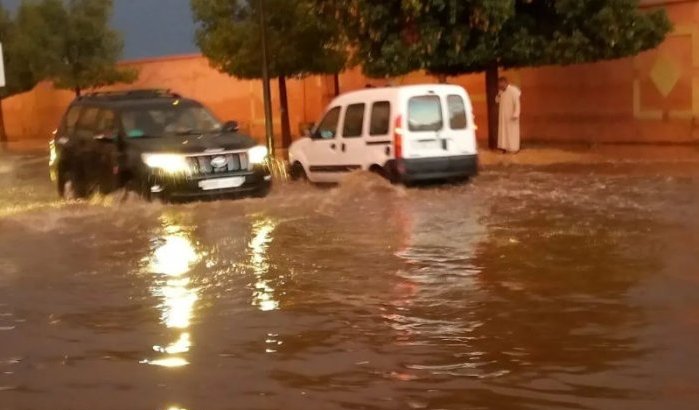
[(131, 94)]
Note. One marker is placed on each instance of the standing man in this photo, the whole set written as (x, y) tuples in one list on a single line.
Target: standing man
[(510, 109)]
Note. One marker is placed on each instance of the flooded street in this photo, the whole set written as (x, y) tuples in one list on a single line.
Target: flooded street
[(560, 286)]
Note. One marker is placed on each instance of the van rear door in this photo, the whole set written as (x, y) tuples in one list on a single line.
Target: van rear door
[(459, 129), (424, 127), (440, 124)]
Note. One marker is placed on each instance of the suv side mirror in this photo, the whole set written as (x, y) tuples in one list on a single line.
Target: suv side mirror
[(306, 129), (106, 136), (231, 126)]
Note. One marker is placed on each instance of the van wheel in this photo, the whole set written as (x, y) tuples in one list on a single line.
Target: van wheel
[(383, 173), (297, 172)]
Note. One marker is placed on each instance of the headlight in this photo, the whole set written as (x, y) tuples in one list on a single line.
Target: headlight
[(52, 153), (258, 154), (170, 163)]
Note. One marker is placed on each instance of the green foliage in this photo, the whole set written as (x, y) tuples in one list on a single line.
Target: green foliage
[(88, 50), (300, 43), (573, 31), (69, 42), (394, 37), (20, 75)]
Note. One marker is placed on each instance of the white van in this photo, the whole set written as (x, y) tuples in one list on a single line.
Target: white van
[(407, 134)]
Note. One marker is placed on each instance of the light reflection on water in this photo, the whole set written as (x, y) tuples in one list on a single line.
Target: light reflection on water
[(525, 289), (263, 295), (171, 261)]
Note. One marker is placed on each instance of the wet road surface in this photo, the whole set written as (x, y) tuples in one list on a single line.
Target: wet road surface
[(533, 287)]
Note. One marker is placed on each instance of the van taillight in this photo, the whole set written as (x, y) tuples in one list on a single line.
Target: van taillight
[(398, 137)]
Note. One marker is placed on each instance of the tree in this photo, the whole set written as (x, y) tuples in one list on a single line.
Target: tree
[(91, 48), (300, 43), (453, 37), (6, 28), (20, 73), (19, 77), (82, 49)]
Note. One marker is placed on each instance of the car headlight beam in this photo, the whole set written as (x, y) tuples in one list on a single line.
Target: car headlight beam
[(258, 155), (170, 163)]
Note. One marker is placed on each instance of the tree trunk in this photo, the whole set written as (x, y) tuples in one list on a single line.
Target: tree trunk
[(3, 134), (78, 91), (284, 108), (336, 82), (442, 78), (491, 86)]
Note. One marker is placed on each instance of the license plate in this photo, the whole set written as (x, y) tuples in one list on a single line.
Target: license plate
[(221, 183), (427, 144)]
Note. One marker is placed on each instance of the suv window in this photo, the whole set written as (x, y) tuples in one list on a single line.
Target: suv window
[(425, 113), (70, 120), (88, 120), (106, 121), (354, 121), (380, 118), (457, 112), (328, 126), (167, 119)]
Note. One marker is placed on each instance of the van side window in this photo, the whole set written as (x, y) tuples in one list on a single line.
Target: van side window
[(425, 113), (70, 120), (457, 112), (354, 121), (380, 118), (87, 122), (328, 126)]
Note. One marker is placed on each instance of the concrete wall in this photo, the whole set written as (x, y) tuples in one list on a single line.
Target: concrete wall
[(653, 97)]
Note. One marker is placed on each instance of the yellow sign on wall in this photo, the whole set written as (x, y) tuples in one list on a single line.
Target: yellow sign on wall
[(665, 74)]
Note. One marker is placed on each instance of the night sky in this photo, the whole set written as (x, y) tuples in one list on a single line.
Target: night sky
[(150, 28)]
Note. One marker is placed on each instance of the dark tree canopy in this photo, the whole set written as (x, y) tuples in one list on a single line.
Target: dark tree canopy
[(89, 49), (299, 42), (69, 42), (22, 71), (394, 37), (452, 37)]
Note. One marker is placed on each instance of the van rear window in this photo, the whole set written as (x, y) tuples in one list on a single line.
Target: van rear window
[(457, 112), (425, 113)]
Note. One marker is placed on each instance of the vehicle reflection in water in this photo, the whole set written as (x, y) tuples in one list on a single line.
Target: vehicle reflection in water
[(171, 262), (431, 268), (263, 294)]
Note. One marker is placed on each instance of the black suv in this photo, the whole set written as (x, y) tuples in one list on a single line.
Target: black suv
[(157, 144)]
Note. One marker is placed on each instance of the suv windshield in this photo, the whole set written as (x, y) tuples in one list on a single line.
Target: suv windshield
[(171, 119)]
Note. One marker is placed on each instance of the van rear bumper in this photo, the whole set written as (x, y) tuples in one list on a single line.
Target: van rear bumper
[(423, 169)]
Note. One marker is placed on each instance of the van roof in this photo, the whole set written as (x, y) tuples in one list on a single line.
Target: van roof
[(389, 92)]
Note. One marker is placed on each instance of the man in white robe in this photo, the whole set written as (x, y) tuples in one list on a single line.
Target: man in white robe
[(510, 109)]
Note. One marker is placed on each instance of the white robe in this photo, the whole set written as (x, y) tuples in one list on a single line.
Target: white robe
[(510, 109)]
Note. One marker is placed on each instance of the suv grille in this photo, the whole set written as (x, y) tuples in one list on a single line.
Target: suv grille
[(218, 163)]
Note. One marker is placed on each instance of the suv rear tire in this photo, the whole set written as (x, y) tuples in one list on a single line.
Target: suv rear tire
[(68, 187)]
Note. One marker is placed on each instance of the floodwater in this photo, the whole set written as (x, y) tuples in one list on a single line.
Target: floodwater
[(569, 286)]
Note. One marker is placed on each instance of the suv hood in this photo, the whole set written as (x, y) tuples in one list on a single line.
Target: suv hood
[(191, 144)]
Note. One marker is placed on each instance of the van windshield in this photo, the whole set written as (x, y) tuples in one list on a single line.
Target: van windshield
[(425, 113), (170, 119)]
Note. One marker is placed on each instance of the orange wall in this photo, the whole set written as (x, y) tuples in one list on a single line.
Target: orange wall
[(653, 97)]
